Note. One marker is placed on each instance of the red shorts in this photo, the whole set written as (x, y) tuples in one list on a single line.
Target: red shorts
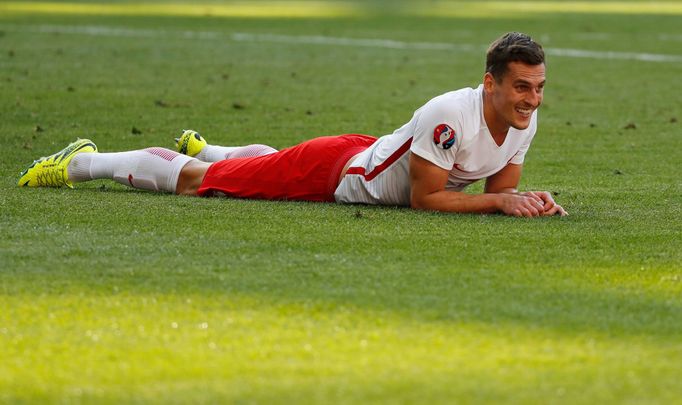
[(307, 172)]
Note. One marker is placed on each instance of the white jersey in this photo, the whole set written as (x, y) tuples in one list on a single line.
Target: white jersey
[(448, 131)]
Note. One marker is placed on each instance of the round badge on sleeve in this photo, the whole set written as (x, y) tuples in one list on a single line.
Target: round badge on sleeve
[(444, 136)]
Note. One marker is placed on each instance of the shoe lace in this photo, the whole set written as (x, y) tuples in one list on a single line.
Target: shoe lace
[(51, 177)]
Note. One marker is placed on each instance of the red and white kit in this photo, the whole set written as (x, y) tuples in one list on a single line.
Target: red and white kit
[(448, 131), (309, 171)]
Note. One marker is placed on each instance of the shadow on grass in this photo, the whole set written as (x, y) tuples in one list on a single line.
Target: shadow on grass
[(545, 273), (538, 298)]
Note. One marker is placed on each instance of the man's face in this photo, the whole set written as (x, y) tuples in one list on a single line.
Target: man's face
[(517, 95)]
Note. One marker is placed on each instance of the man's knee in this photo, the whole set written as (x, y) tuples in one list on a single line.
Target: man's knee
[(191, 176)]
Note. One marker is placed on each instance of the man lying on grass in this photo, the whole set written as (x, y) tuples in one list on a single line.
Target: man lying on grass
[(452, 141)]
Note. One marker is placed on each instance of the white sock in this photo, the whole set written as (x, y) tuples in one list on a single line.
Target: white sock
[(215, 153), (155, 169)]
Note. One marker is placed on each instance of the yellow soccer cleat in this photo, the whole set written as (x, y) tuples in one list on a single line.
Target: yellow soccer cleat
[(51, 171), (190, 143)]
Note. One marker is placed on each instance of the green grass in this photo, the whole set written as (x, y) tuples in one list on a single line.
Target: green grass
[(111, 295)]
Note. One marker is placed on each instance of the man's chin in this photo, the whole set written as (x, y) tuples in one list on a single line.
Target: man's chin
[(520, 125)]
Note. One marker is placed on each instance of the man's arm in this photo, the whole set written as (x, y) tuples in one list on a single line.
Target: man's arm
[(427, 182), (506, 181)]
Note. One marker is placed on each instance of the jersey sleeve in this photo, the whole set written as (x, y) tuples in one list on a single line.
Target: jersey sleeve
[(520, 155), (437, 134)]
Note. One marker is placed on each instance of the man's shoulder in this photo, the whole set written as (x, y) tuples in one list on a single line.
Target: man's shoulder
[(461, 102), (460, 109), (465, 93)]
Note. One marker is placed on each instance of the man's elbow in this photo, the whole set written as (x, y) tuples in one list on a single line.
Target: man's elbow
[(418, 203)]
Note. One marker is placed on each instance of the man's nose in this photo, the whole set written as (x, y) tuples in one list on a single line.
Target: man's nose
[(534, 97)]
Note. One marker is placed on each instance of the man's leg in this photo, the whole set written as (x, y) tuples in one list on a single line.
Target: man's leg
[(192, 144), (191, 176), (306, 172), (155, 169), (215, 153)]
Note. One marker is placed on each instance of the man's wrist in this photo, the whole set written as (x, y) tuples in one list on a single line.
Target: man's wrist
[(498, 199)]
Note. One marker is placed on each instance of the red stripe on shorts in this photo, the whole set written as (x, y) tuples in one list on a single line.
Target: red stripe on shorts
[(384, 165)]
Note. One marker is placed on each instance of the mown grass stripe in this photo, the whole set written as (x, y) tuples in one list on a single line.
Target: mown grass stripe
[(328, 41), (334, 9)]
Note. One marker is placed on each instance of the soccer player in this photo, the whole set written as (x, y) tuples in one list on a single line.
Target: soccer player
[(452, 141)]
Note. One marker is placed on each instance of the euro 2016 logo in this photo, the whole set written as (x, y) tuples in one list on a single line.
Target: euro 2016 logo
[(444, 136)]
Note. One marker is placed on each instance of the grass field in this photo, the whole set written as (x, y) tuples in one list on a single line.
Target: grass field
[(111, 295)]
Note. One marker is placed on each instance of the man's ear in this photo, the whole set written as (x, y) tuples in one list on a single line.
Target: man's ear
[(488, 82)]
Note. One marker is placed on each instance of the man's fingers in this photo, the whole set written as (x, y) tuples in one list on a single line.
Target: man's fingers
[(534, 204), (526, 205), (523, 212), (533, 208), (547, 199), (552, 211), (557, 209), (534, 196)]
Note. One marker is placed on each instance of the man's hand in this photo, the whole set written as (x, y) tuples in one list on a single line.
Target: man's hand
[(549, 207), (505, 182), (521, 205), (427, 183)]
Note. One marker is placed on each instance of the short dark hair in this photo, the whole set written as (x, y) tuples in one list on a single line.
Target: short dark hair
[(512, 47)]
